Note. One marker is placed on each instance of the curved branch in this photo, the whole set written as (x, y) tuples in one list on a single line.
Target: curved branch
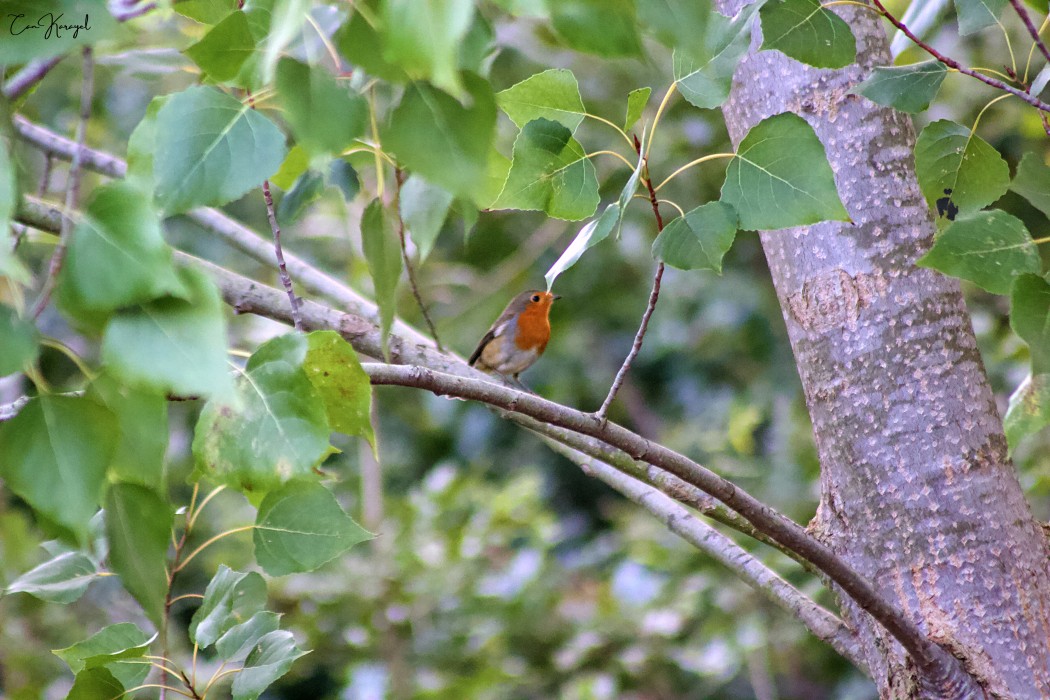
[(937, 665)]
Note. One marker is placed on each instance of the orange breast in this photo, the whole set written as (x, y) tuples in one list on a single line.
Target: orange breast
[(534, 328)]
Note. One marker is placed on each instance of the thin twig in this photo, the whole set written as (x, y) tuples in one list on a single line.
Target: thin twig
[(952, 63), (399, 180), (654, 296), (45, 175), (29, 76), (87, 89), (282, 268), (286, 279), (1032, 29)]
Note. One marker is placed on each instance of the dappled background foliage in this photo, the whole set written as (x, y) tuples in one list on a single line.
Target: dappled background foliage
[(501, 570)]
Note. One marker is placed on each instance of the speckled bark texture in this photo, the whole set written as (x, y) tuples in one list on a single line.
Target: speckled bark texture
[(916, 488)]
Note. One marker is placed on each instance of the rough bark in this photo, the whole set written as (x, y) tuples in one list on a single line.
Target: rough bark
[(917, 491)]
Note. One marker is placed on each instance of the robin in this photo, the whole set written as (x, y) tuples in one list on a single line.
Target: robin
[(518, 337)]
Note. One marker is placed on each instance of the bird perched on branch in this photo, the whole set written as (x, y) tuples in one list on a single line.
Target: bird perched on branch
[(518, 337)]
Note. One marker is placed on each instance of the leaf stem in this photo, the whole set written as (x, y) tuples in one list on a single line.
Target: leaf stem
[(628, 163), (375, 137), (659, 113), (68, 352), (210, 541), (690, 164), (603, 120), (192, 513), (399, 180)]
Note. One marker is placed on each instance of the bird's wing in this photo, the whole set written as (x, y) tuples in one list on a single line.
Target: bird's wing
[(496, 331)]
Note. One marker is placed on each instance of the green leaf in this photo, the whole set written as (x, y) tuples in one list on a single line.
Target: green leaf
[(221, 53), (434, 135), (975, 15), (18, 341), (631, 186), (117, 650), (553, 94), (496, 172), (123, 640), (603, 27), (55, 453), (780, 177), (271, 658), (325, 117), (342, 176), (952, 161), (383, 254), (295, 164), (301, 527), (594, 232), (424, 36), (96, 684), (307, 190), (120, 230), (477, 50), (138, 527), (1029, 409), (703, 68), (988, 248), (62, 579), (636, 102), (286, 21), (550, 172), (172, 345), (211, 149), (142, 439), (203, 11), (29, 32), (363, 45), (10, 265), (1032, 182), (231, 599), (675, 23), (239, 640), (141, 146), (1030, 318), (699, 240), (807, 32), (333, 368), (424, 208), (906, 88), (278, 430)]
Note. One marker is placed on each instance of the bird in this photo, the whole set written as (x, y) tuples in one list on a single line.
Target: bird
[(518, 337)]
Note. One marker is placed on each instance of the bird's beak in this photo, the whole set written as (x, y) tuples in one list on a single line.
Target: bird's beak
[(556, 297)]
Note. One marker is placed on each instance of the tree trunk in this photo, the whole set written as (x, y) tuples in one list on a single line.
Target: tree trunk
[(917, 491)]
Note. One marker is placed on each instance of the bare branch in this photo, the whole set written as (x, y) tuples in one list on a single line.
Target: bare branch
[(399, 180), (87, 90), (282, 267), (938, 666), (822, 623), (952, 63), (1032, 29), (29, 76), (654, 296)]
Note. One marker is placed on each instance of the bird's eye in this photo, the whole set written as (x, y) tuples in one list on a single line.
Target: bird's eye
[(535, 297)]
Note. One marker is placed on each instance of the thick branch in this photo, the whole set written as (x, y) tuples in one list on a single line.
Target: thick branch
[(936, 663), (696, 532)]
